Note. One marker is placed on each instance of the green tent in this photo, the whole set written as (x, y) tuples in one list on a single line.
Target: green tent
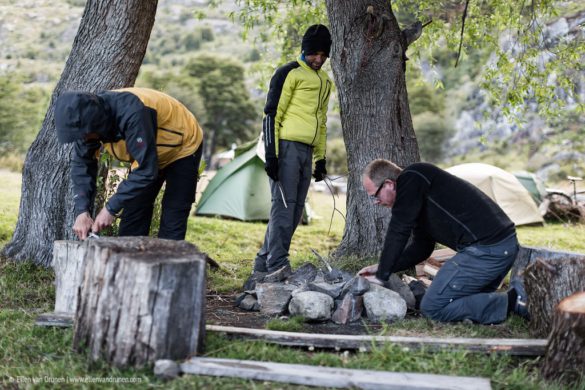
[(239, 190), (533, 184)]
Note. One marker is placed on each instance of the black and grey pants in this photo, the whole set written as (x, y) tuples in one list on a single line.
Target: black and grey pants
[(464, 288), (181, 184), (294, 174)]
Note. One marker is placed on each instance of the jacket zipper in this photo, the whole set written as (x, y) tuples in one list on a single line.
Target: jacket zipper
[(318, 107)]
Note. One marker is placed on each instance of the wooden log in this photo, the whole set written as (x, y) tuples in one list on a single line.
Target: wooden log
[(519, 347), (547, 282), (565, 353), (328, 376), (141, 299), (528, 255), (68, 263)]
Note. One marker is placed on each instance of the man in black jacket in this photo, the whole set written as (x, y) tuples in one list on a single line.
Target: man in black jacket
[(430, 206), (149, 129)]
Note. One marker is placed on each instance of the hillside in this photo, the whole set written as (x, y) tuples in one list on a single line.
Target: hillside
[(37, 36)]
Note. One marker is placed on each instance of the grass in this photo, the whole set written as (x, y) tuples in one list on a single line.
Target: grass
[(29, 353)]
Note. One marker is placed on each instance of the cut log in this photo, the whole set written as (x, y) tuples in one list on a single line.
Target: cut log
[(68, 262), (141, 299), (328, 376), (519, 347), (565, 353), (547, 282)]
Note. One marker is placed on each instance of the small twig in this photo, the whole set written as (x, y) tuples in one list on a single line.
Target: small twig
[(334, 204), (462, 30)]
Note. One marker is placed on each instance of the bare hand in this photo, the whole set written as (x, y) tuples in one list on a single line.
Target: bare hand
[(103, 220), (368, 271), (82, 225), (373, 279)]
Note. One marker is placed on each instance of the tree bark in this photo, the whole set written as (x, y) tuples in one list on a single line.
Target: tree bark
[(547, 282), (107, 53), (565, 353), (140, 299), (368, 61)]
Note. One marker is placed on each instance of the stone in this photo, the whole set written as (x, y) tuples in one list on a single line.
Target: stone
[(273, 298), (384, 305), (304, 274), (360, 286), (396, 284), (249, 303), (166, 369), (311, 305), (349, 310), (418, 289), (333, 290)]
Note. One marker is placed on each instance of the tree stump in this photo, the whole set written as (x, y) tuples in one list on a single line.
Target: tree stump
[(141, 299), (547, 282), (565, 352), (68, 262)]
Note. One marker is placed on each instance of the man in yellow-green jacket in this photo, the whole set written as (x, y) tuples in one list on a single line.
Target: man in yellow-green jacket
[(294, 131), (147, 128)]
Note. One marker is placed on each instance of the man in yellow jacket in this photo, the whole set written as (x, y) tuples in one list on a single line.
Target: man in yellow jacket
[(294, 130), (149, 129)]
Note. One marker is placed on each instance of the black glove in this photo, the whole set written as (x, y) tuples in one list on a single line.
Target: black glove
[(271, 167), (320, 171)]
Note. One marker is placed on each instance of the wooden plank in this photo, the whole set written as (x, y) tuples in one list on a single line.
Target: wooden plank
[(328, 376), (55, 319), (519, 347)]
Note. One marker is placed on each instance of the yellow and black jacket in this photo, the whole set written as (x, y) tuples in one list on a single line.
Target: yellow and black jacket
[(296, 108), (144, 127)]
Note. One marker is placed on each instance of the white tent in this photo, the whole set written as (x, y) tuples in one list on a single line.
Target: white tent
[(504, 188)]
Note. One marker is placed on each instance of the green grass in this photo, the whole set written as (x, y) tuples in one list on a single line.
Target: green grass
[(29, 352)]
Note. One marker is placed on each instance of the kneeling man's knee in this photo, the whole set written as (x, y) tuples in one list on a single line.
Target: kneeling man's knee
[(431, 308)]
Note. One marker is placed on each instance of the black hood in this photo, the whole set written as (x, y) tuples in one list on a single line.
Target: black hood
[(79, 113)]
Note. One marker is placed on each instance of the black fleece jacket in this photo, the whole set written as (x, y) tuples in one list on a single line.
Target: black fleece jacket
[(433, 206)]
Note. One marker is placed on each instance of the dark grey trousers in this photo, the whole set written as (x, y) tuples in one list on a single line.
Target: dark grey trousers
[(464, 287), (294, 174)]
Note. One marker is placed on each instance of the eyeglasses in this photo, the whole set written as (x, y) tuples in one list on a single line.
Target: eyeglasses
[(374, 197)]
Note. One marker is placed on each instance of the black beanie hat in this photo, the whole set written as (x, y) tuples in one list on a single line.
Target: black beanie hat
[(317, 38), (79, 113)]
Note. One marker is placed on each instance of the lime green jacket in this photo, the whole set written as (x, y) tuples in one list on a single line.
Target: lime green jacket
[(296, 108)]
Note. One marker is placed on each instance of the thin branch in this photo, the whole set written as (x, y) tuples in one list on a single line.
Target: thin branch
[(462, 30), (334, 204)]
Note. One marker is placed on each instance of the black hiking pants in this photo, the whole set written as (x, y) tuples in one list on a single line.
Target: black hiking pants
[(180, 179)]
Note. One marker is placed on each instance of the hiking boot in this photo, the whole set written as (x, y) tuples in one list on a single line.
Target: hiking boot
[(278, 275), (520, 307), (256, 277)]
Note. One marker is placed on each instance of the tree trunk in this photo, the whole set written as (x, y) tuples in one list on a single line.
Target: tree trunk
[(547, 282), (565, 353), (368, 55), (140, 299), (106, 54)]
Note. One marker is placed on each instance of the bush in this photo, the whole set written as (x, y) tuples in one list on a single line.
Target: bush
[(336, 156), (431, 133)]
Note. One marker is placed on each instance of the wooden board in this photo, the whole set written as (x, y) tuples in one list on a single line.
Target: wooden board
[(328, 376), (520, 347)]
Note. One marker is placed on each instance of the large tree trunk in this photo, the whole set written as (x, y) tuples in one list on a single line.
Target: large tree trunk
[(368, 65), (106, 54)]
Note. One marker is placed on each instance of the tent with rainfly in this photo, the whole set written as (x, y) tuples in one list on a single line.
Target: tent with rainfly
[(240, 189), (504, 188)]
